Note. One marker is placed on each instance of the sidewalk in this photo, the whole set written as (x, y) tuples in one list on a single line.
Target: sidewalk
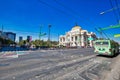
[(8, 55), (12, 54)]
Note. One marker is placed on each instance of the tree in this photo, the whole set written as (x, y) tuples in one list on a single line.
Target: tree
[(6, 41), (23, 42)]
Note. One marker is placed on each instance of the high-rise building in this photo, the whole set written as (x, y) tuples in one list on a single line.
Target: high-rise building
[(10, 35), (20, 38), (0, 33), (29, 38)]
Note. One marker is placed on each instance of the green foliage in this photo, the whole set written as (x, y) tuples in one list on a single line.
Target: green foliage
[(23, 42), (39, 43), (6, 41), (54, 43)]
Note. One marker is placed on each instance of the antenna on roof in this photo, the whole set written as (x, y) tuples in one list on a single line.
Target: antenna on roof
[(76, 24)]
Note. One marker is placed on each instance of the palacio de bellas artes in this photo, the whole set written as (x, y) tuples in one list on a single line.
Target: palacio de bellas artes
[(77, 37)]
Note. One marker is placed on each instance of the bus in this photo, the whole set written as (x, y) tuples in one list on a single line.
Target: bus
[(106, 47)]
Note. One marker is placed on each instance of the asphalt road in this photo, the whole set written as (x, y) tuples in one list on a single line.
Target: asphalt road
[(67, 64)]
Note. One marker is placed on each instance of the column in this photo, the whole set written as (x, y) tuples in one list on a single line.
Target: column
[(78, 40), (65, 39), (61, 40), (82, 40), (70, 37)]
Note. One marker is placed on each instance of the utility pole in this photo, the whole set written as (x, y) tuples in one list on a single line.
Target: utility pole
[(40, 32), (49, 26)]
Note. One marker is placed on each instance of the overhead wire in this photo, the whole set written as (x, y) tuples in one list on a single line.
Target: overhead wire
[(116, 2), (64, 6), (19, 31), (115, 14), (57, 9), (71, 10)]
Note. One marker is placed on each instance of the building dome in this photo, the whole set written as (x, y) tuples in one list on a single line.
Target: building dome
[(76, 27)]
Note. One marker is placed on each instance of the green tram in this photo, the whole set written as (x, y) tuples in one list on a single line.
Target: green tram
[(106, 47)]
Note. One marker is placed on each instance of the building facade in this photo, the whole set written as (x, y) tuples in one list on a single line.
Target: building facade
[(29, 38), (20, 38), (77, 37), (10, 35)]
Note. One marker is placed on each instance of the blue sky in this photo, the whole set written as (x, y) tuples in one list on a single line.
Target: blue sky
[(25, 17)]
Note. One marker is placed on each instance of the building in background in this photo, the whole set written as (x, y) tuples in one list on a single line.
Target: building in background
[(3, 35), (29, 38), (0, 33), (77, 37), (9, 35), (20, 38)]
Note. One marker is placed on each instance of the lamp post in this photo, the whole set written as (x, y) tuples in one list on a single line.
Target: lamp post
[(112, 9)]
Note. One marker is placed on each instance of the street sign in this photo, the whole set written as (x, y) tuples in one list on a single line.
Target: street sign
[(90, 39), (117, 35), (110, 27), (42, 34)]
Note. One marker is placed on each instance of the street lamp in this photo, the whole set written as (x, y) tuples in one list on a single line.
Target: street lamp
[(114, 8)]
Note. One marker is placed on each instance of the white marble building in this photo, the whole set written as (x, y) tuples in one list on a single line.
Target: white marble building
[(77, 37)]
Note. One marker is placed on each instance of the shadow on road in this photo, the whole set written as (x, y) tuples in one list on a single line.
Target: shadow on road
[(107, 56)]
